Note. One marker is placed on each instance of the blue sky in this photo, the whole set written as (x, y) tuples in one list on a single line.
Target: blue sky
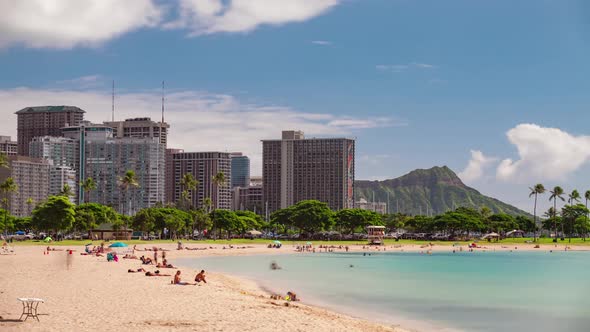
[(419, 83)]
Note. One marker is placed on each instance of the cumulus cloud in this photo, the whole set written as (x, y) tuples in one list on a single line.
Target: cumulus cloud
[(213, 16), (65, 24), (200, 121), (544, 154), (476, 167)]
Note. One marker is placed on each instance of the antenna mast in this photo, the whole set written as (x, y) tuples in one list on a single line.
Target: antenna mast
[(113, 103)]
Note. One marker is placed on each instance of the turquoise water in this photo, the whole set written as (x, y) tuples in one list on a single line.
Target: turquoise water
[(482, 291)]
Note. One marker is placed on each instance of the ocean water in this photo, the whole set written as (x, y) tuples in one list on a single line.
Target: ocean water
[(481, 291)]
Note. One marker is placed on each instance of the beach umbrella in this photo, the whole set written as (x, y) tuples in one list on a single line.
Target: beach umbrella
[(48, 239), (254, 232), (118, 245), (308, 243), (277, 242)]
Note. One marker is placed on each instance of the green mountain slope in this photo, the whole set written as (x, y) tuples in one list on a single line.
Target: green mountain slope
[(429, 191)]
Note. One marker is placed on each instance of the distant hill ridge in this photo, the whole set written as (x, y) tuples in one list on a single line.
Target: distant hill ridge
[(429, 191)]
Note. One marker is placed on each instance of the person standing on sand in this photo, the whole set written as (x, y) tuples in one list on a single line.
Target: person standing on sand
[(156, 255)]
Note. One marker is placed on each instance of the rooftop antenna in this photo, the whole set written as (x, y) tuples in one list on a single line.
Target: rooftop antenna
[(113, 103), (162, 108)]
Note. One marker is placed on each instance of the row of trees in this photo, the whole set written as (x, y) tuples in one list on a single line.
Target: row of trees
[(573, 217)]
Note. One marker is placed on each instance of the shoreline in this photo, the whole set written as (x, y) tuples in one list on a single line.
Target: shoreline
[(93, 293)]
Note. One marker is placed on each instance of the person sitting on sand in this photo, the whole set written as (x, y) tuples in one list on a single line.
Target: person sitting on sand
[(200, 277), (291, 296), (178, 281), (127, 256), (165, 265), (145, 260)]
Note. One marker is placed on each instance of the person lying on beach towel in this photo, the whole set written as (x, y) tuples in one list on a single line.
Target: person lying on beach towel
[(138, 270), (145, 260), (156, 274), (178, 281)]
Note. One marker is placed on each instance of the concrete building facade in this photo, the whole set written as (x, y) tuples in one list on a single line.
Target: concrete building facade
[(107, 161), (296, 169), (31, 175), (59, 176), (140, 128), (44, 121), (240, 170), (169, 177), (204, 166), (8, 146), (379, 207)]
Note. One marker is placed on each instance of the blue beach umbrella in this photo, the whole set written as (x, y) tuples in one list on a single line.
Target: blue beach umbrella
[(118, 245)]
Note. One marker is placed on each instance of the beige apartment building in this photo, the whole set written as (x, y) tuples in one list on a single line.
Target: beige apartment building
[(296, 169)]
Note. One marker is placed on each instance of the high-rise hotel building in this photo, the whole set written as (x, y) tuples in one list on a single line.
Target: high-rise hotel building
[(44, 121), (295, 168), (203, 166)]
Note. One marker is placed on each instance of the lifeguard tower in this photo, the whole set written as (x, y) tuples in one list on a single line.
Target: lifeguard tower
[(375, 234)]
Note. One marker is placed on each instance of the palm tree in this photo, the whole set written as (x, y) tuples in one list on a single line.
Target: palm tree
[(573, 197), (7, 187), (587, 197), (126, 182), (188, 184), (66, 191), (88, 185), (219, 180), (30, 202), (207, 203), (556, 193), (535, 191), (4, 163)]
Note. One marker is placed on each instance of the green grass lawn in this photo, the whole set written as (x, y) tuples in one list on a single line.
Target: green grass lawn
[(576, 241)]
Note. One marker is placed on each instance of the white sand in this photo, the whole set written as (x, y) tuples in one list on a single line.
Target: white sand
[(96, 295)]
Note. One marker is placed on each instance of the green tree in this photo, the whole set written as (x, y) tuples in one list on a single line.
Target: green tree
[(219, 181), (556, 193), (92, 215), (144, 221), (225, 220), (582, 227), (395, 221), (207, 204), (7, 187), (352, 220), (537, 190), (4, 163), (126, 182), (66, 191), (311, 216), (189, 184), (526, 224), (587, 197), (571, 213), (88, 185), (201, 220), (57, 213)]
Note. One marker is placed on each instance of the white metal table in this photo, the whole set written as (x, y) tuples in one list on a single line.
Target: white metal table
[(30, 305)]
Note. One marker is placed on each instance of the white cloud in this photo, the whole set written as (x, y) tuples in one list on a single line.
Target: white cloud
[(321, 42), (213, 16), (65, 24), (476, 166), (83, 82), (545, 154), (402, 67), (200, 121)]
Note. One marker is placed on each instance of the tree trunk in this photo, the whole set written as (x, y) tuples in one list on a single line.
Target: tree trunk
[(535, 220)]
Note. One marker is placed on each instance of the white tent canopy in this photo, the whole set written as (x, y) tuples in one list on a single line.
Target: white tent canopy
[(254, 232), (490, 235)]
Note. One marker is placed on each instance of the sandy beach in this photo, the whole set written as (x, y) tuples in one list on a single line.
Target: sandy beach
[(95, 294)]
